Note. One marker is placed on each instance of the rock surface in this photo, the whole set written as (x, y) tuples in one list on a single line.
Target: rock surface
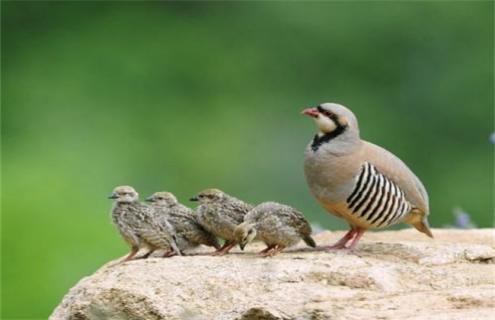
[(392, 275)]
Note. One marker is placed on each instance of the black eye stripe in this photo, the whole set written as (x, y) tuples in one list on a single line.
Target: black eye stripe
[(327, 113)]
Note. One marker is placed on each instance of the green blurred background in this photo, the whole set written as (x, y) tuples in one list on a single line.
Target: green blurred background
[(183, 96)]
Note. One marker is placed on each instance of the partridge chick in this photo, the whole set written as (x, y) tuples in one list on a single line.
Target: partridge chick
[(220, 213), (137, 224), (277, 225), (189, 233), (358, 181)]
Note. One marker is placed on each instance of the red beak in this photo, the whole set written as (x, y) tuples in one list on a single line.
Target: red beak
[(312, 112)]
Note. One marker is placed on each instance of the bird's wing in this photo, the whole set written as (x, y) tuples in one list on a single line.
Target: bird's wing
[(295, 219), (236, 211), (155, 228), (397, 171)]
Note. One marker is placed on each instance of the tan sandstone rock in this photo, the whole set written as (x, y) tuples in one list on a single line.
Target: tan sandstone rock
[(392, 275)]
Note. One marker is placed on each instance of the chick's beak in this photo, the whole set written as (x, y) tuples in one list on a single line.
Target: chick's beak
[(194, 198), (149, 199), (112, 196), (312, 112), (242, 246)]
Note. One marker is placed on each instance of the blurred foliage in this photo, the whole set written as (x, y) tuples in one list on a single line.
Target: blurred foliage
[(183, 96)]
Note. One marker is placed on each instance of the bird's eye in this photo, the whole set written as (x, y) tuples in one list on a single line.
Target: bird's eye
[(250, 231), (328, 114), (325, 112)]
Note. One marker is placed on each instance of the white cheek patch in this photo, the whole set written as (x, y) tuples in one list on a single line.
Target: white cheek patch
[(325, 124)]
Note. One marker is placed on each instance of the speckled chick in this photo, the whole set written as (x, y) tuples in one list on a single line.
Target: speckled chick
[(137, 224), (189, 233), (220, 214), (278, 226), (359, 181)]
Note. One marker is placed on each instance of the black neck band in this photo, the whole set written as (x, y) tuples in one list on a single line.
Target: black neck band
[(327, 137)]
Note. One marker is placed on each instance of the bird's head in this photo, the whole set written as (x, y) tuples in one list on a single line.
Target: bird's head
[(163, 199), (244, 234), (209, 196), (333, 118), (124, 194)]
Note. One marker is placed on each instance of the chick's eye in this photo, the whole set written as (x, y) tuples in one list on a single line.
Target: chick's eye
[(250, 231)]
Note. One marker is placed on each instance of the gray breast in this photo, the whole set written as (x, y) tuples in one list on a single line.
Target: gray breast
[(377, 199)]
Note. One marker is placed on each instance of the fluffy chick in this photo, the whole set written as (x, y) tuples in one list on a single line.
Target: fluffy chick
[(277, 225), (189, 233), (137, 224), (220, 213)]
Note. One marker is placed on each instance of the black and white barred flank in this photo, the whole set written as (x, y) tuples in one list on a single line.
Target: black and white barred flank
[(377, 199)]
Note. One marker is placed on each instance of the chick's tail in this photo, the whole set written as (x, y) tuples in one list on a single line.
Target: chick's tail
[(310, 241)]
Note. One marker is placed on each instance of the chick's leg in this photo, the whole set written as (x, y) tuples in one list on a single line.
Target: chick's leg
[(276, 249), (226, 244), (169, 254), (225, 249), (131, 255), (270, 247)]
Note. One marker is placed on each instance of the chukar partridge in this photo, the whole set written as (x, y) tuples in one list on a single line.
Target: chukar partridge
[(358, 181), (137, 224), (220, 214), (277, 225), (189, 233)]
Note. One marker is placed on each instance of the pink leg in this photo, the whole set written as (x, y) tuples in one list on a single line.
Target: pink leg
[(274, 251), (131, 255), (355, 241), (266, 249), (169, 254), (269, 253), (224, 250), (342, 242), (223, 247)]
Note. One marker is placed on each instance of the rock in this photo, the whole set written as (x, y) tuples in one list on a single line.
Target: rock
[(392, 275)]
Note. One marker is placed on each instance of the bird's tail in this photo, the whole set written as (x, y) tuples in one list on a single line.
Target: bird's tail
[(423, 226), (310, 241)]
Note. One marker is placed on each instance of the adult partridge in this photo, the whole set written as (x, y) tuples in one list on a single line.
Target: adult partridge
[(359, 181)]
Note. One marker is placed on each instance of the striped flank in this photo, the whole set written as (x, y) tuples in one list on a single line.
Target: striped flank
[(377, 199)]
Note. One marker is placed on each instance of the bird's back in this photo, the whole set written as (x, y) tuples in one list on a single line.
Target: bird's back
[(221, 218)]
